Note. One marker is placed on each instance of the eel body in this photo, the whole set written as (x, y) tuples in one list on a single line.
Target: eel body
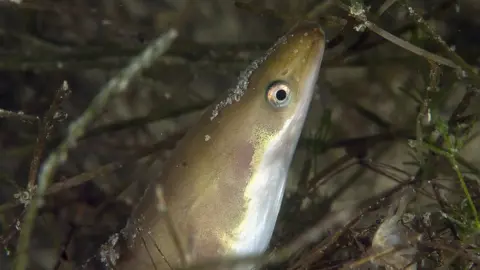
[(224, 183)]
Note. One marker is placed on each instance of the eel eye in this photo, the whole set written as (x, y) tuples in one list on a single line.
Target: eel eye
[(278, 94)]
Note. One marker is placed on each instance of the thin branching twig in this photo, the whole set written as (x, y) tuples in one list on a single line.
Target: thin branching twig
[(459, 62), (359, 13), (46, 127)]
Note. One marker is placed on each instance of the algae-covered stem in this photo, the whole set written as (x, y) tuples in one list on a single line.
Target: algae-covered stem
[(223, 194), (77, 129)]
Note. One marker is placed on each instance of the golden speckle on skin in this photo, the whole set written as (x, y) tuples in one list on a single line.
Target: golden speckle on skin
[(260, 139), (207, 138), (228, 238)]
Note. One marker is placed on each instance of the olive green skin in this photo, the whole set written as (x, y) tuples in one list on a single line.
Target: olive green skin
[(225, 181)]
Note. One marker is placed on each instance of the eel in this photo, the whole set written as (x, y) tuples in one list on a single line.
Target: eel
[(221, 190)]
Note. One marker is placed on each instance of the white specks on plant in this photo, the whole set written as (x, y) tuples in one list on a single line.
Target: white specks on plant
[(411, 11), (360, 27), (24, 197), (412, 143), (426, 218), (407, 217), (359, 11), (108, 253)]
